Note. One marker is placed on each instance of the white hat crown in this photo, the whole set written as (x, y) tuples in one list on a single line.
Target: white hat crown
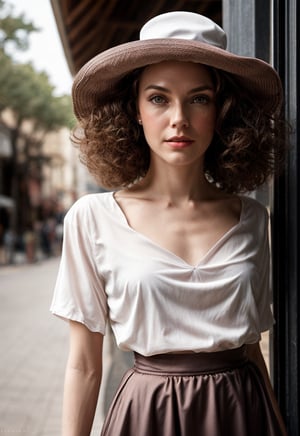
[(184, 25)]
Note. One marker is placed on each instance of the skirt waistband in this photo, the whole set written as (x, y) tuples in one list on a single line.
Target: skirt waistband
[(191, 363)]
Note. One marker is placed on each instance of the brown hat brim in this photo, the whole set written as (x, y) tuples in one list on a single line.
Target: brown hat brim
[(98, 77)]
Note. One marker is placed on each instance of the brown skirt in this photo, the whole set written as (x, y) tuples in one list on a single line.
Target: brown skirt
[(201, 394)]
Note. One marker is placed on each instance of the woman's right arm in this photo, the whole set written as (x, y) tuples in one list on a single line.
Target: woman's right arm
[(82, 380)]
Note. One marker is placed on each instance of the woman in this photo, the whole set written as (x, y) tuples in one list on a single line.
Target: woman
[(175, 258)]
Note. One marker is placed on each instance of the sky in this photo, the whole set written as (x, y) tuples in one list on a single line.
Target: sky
[(45, 49)]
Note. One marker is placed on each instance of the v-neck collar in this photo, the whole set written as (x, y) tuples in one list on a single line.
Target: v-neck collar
[(204, 258)]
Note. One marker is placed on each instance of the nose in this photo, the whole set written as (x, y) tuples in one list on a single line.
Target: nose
[(179, 116)]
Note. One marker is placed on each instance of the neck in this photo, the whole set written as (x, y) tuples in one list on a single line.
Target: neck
[(176, 184)]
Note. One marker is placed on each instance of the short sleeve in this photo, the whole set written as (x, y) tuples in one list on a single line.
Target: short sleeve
[(79, 291), (263, 294)]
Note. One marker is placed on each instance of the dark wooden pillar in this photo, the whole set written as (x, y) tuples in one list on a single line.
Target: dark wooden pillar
[(269, 29), (286, 222)]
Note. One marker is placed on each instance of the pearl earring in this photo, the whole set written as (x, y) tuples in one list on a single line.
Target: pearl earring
[(140, 121)]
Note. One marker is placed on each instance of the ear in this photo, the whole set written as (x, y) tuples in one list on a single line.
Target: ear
[(138, 116)]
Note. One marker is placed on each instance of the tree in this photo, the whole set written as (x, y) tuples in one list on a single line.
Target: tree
[(30, 95), (27, 92), (13, 29)]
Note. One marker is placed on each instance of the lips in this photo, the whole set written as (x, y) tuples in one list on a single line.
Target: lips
[(179, 141)]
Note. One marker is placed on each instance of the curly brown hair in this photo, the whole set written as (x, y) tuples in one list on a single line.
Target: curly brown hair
[(247, 148)]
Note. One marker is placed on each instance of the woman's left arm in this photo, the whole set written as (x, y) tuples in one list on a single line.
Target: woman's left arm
[(255, 355)]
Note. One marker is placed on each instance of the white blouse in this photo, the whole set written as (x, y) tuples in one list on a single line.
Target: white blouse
[(155, 301)]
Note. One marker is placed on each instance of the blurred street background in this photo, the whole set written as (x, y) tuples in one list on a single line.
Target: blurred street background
[(40, 178), (34, 347), (40, 172)]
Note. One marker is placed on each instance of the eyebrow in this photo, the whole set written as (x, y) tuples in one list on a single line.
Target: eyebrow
[(192, 91)]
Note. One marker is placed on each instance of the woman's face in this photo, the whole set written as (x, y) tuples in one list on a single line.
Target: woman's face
[(176, 105)]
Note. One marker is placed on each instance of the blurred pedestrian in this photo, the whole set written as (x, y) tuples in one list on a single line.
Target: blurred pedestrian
[(177, 258), (9, 240), (30, 242), (46, 237), (59, 220)]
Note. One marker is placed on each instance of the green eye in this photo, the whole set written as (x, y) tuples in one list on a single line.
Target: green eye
[(157, 99), (201, 99)]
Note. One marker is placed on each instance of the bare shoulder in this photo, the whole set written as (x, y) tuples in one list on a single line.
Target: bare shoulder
[(234, 204), (135, 204), (133, 197), (134, 192), (228, 204)]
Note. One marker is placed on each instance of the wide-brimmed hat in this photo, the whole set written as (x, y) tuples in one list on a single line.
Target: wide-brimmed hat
[(178, 36)]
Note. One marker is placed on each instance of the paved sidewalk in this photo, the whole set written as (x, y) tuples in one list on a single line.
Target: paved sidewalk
[(34, 347), (33, 352)]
